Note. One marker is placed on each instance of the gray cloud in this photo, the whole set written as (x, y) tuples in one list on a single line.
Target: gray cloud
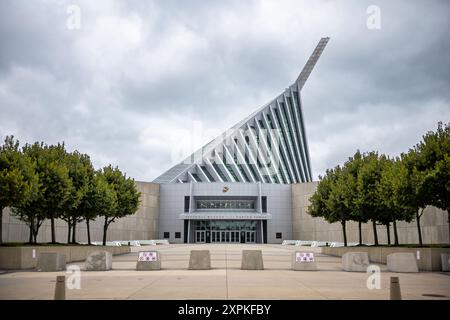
[(129, 86)]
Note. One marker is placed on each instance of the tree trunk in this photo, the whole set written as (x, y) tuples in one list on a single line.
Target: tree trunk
[(30, 237), (88, 232), (74, 235), (105, 229), (35, 234), (344, 233), (375, 235), (1, 225), (35, 231), (30, 240), (69, 228), (388, 230), (419, 232), (360, 232), (395, 233), (52, 220)]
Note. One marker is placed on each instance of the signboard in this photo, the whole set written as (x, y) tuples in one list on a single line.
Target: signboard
[(304, 257), (148, 256)]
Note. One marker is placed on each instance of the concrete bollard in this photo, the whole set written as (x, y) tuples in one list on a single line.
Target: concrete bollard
[(60, 288), (252, 260), (99, 261), (148, 260), (200, 260), (303, 261), (395, 293)]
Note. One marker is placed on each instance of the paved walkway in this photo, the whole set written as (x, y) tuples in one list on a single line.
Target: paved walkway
[(225, 280)]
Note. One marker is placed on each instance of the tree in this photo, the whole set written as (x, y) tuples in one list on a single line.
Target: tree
[(367, 201), (18, 180), (432, 161), (330, 202), (55, 185), (351, 169), (393, 191), (415, 192), (99, 200), (80, 171), (127, 196)]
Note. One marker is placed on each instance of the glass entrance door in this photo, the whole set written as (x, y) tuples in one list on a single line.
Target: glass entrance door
[(225, 236), (225, 231), (200, 236), (250, 236)]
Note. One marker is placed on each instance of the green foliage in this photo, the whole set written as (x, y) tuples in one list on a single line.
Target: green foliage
[(432, 160), (100, 199), (80, 172), (126, 193), (330, 201), (393, 191), (18, 181), (55, 186)]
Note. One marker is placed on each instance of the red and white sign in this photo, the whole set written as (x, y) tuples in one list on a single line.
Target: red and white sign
[(304, 257), (148, 256)]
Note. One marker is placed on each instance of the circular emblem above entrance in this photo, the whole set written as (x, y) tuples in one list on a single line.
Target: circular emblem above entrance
[(225, 189)]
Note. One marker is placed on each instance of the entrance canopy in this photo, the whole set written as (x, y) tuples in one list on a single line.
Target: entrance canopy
[(225, 216)]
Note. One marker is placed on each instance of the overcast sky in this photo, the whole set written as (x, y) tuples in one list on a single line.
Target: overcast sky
[(137, 78)]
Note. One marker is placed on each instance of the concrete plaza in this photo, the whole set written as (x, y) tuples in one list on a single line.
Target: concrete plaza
[(225, 280)]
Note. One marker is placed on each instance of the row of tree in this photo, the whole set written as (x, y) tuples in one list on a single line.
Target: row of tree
[(375, 188), (45, 182)]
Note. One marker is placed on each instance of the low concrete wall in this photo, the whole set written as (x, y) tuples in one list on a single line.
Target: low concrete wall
[(430, 258), (22, 257)]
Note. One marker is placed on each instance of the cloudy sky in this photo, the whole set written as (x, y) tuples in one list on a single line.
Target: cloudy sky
[(137, 78)]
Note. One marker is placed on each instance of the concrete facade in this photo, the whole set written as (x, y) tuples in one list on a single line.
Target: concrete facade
[(434, 224), (172, 205), (141, 225)]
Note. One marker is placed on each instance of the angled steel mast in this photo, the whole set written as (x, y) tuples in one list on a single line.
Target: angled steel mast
[(248, 152)]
